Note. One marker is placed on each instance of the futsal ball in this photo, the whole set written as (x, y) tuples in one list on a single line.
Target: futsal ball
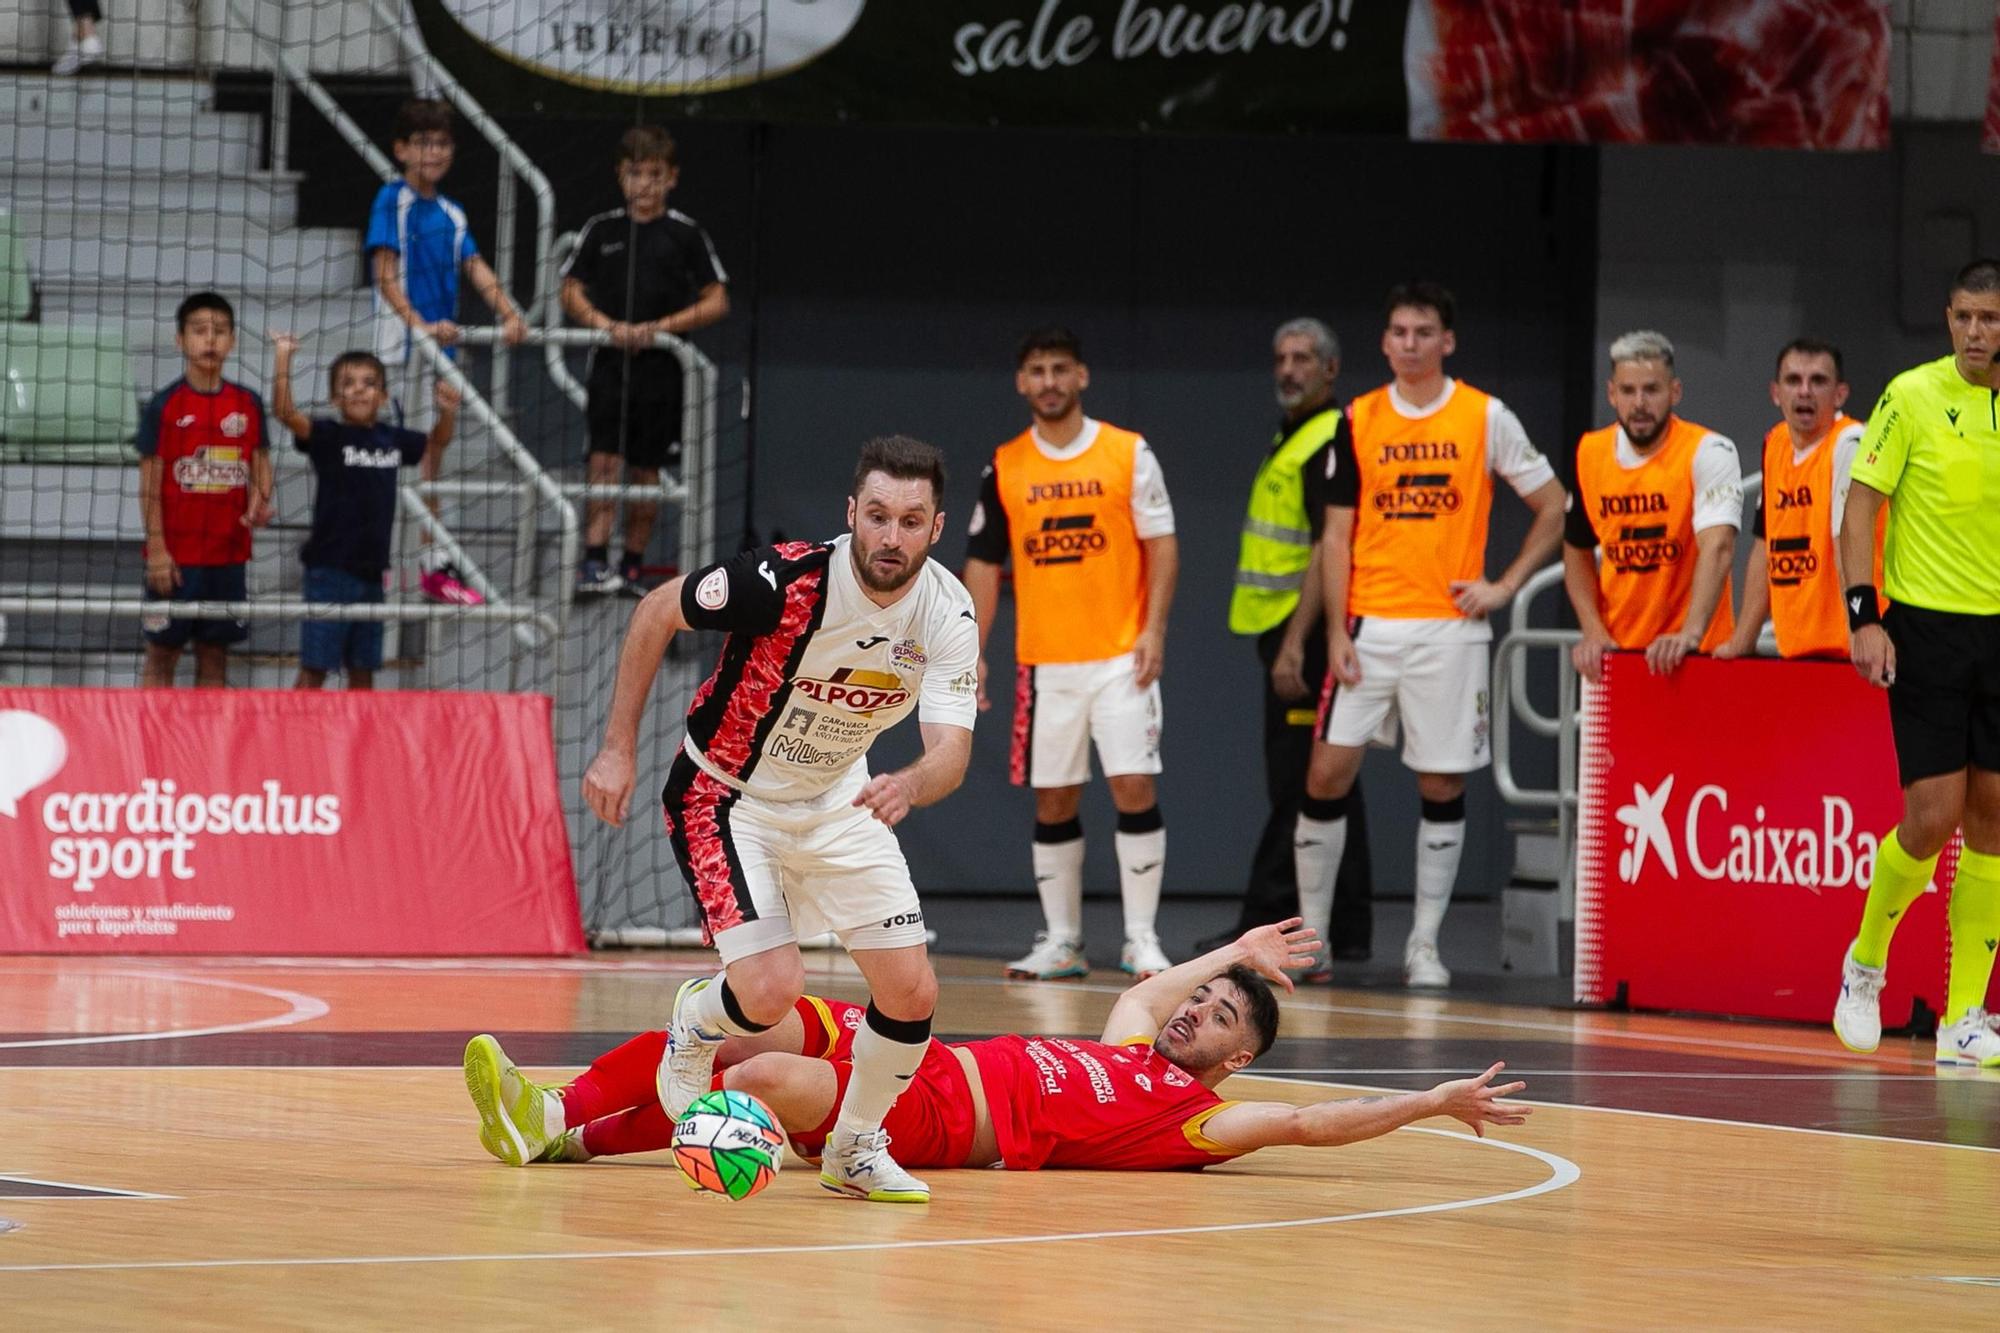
[(728, 1143)]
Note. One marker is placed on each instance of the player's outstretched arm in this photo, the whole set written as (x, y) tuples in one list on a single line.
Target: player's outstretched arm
[(1474, 1101), (1580, 582), (1268, 950), (608, 782)]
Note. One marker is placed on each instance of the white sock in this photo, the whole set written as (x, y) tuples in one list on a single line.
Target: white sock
[(1142, 858), (1317, 846), (882, 1069), (711, 1017), (1059, 881), (1439, 844)]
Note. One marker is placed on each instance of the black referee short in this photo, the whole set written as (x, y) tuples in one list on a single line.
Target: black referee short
[(1944, 706), (634, 408)]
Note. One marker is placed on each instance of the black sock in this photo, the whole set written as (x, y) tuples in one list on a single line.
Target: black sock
[(598, 553), (633, 559)]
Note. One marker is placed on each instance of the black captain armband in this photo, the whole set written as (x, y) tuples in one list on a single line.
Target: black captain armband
[(1862, 608)]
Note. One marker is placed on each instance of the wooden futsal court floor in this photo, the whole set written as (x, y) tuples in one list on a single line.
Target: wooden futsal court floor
[(252, 1144)]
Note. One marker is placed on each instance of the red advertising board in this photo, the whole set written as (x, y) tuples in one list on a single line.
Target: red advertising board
[(1729, 818), (281, 822)]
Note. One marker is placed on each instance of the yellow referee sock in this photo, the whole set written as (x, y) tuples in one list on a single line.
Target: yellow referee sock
[(1899, 878), (1974, 914)]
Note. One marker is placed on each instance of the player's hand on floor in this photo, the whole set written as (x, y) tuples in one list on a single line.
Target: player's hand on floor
[(1874, 655), (887, 795), (608, 783), (1285, 944), (1477, 1102)]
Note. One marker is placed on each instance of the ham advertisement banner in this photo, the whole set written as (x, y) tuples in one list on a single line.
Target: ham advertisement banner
[(281, 822), (1773, 73), (1728, 824)]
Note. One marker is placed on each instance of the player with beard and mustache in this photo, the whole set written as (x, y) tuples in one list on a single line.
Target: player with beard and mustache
[(1080, 508), (774, 818), (1143, 1097), (1663, 498)]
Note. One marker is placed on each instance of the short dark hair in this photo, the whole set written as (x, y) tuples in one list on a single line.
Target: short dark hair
[(368, 359), (648, 143), (1423, 295), (422, 115), (904, 458), (1980, 277), (204, 301), (1048, 338), (1263, 1002), (1811, 347)]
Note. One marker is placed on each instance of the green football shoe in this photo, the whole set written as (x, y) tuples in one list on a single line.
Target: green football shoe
[(519, 1120)]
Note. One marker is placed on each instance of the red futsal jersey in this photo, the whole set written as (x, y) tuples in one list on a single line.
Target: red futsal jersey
[(1062, 1103), (204, 442)]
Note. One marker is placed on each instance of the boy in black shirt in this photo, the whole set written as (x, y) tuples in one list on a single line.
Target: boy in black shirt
[(356, 459), (638, 271)]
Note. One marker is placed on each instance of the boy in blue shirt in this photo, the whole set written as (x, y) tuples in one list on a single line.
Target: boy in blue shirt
[(356, 459), (418, 243)]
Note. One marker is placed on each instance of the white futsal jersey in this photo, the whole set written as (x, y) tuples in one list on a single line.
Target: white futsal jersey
[(813, 671)]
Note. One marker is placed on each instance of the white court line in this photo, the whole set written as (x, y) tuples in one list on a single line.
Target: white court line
[(1971, 1281), (96, 1191), (304, 1008), (1562, 1172), (1655, 1115)]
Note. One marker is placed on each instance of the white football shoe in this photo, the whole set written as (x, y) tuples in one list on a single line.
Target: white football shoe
[(1857, 1014), (1972, 1040), (1052, 957), (1423, 968)]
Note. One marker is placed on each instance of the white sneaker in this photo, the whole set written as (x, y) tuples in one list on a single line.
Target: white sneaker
[(89, 51), (1052, 957), (1857, 1014), (1972, 1040), (689, 1064), (1143, 957), (859, 1166), (1422, 967)]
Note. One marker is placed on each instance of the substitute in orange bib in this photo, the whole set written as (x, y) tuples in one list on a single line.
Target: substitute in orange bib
[(1794, 577), (1663, 497), (1404, 556), (1081, 507)]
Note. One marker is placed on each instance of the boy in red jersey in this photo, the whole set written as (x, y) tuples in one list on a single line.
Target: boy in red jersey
[(204, 483), (1142, 1098)]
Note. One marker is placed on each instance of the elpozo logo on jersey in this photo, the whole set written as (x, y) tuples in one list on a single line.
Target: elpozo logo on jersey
[(658, 46), (1711, 845), (855, 691)]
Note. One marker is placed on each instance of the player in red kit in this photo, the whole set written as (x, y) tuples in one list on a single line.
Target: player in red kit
[(1141, 1098)]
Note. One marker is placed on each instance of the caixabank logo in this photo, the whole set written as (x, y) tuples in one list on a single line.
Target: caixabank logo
[(1708, 838), (152, 829)]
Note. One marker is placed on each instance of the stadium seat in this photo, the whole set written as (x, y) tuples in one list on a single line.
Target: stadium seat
[(66, 396), (17, 292)]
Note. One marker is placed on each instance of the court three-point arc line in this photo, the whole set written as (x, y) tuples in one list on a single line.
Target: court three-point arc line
[(302, 1009), (1562, 1173)]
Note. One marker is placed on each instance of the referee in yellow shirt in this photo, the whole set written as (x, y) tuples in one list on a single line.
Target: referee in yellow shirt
[(1933, 445)]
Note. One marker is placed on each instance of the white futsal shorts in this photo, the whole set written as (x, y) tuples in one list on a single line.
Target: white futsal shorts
[(766, 873), (1061, 708), (1436, 689)]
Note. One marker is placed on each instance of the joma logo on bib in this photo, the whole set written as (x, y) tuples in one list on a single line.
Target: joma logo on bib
[(855, 691)]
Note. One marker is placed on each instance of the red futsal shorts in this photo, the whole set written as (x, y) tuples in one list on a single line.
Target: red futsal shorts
[(931, 1124)]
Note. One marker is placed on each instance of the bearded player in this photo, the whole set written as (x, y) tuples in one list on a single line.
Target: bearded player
[(774, 818), (1141, 1098)]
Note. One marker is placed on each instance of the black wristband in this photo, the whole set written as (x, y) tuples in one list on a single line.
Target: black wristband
[(1862, 608)]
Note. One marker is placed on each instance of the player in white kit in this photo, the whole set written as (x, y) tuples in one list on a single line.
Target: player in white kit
[(774, 818)]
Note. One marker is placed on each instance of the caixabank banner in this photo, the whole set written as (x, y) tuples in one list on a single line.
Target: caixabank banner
[(281, 822), (1778, 73), (1729, 819)]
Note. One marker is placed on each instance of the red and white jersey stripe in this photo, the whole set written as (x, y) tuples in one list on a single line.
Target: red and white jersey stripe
[(813, 670)]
